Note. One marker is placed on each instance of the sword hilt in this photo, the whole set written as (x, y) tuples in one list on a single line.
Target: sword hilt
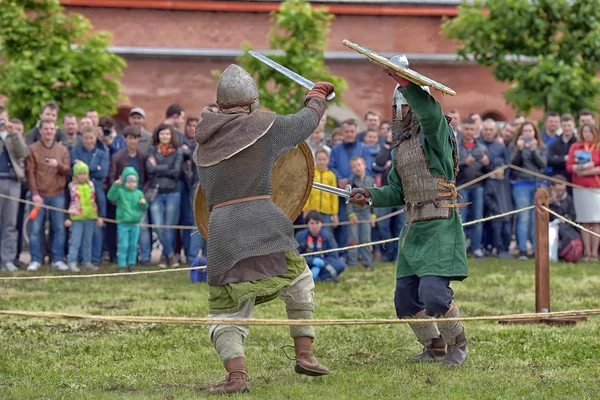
[(331, 96), (349, 189)]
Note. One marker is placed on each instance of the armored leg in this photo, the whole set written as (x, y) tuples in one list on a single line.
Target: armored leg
[(409, 305), (299, 304), (228, 341)]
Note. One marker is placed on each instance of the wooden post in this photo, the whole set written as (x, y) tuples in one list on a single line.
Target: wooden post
[(542, 254)]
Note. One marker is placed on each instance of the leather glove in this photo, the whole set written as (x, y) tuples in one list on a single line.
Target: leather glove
[(320, 91), (360, 196), (318, 262)]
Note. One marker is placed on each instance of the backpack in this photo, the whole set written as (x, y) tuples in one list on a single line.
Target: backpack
[(570, 245)]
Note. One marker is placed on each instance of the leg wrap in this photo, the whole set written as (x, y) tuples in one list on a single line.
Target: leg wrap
[(229, 344), (453, 331), (299, 304), (425, 332)]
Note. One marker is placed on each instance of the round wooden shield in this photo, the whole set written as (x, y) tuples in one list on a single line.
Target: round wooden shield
[(291, 182)]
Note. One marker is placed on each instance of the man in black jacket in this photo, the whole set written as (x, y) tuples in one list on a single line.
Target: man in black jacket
[(558, 151), (49, 111)]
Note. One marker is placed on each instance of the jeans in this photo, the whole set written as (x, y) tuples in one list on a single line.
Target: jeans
[(9, 209), (145, 238), (473, 212), (165, 211), (337, 265), (191, 242), (524, 196), (98, 239), (57, 220), (360, 234), (82, 233), (390, 228), (501, 234), (341, 232), (128, 236), (430, 293)]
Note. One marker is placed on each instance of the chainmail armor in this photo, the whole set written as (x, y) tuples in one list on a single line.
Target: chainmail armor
[(259, 227)]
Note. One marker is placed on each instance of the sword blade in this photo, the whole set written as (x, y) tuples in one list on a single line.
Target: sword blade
[(299, 79), (345, 193)]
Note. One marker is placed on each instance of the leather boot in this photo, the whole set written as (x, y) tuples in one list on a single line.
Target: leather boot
[(435, 352), (236, 379), (306, 363), (457, 352)]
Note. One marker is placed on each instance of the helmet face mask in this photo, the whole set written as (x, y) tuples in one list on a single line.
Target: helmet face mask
[(237, 89)]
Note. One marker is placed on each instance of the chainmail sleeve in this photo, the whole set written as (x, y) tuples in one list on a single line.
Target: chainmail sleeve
[(290, 130)]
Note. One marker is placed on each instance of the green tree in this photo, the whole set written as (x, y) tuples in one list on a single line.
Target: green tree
[(300, 32), (49, 55), (561, 36)]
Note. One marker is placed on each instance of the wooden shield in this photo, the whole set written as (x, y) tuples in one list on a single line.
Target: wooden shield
[(405, 73), (291, 182)]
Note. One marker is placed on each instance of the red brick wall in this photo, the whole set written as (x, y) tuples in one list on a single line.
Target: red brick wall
[(153, 83)]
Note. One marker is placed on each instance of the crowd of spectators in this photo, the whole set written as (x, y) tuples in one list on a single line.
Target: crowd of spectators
[(91, 170)]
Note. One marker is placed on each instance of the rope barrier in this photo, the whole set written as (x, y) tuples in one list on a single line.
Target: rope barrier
[(568, 221), (316, 253), (287, 322)]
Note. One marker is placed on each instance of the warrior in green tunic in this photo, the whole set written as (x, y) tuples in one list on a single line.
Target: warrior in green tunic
[(252, 256), (432, 244)]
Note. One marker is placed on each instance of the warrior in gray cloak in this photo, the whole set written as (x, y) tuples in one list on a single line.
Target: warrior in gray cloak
[(252, 256)]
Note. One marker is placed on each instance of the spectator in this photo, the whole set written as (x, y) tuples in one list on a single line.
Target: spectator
[(339, 163), (94, 116), (92, 153), (175, 116), (132, 157), (558, 151), (73, 137), (131, 205), (13, 152), (137, 117), (337, 137), (478, 124), (489, 136), (192, 243), (372, 122), (317, 141), (584, 164), (552, 125), (519, 121), (164, 168), (111, 140), (507, 134), (83, 210), (49, 112), (18, 127), (473, 163), (455, 123), (389, 227), (586, 117), (528, 152), (360, 231), (385, 128), (324, 267), (86, 121), (498, 200), (372, 148), (326, 204), (561, 202), (47, 168)]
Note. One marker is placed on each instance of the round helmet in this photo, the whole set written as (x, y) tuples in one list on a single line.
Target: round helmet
[(237, 89)]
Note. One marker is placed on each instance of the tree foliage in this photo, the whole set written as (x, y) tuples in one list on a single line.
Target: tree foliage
[(49, 55), (563, 37), (301, 33)]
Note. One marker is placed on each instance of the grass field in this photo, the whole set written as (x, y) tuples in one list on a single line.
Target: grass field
[(54, 359)]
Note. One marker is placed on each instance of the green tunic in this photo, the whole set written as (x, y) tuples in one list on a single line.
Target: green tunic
[(432, 247)]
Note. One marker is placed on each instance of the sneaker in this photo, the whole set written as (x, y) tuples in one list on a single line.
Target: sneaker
[(10, 267), (146, 263), (73, 267), (172, 261), (162, 263), (90, 266), (368, 267), (33, 266), (523, 256), (131, 268), (478, 253), (60, 265), (18, 264), (504, 255)]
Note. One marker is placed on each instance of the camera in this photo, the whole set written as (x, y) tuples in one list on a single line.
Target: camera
[(2, 123), (106, 131), (527, 139)]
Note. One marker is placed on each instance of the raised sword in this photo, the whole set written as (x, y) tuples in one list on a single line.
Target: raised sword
[(299, 79)]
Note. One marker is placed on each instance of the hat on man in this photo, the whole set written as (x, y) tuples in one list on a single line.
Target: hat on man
[(139, 111)]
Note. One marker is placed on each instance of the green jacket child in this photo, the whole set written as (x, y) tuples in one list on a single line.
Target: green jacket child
[(129, 199)]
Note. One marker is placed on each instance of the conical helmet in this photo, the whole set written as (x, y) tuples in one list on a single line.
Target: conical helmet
[(237, 88), (398, 99)]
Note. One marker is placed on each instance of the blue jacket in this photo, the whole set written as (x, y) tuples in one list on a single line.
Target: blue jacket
[(309, 244), (341, 154), (97, 161)]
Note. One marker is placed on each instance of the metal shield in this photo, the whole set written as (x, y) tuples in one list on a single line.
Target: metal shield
[(291, 182), (405, 73)]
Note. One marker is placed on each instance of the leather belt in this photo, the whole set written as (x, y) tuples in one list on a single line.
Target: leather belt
[(242, 200)]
